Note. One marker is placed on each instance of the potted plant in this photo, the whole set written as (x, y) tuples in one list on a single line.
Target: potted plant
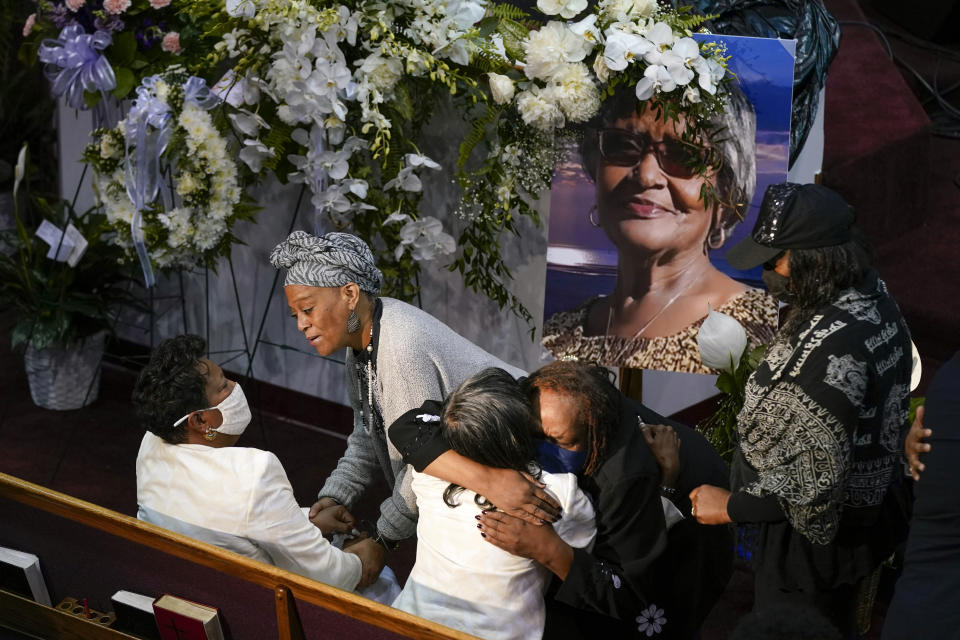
[(62, 312)]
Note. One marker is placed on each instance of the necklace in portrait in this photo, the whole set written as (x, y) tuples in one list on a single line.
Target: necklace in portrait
[(626, 344)]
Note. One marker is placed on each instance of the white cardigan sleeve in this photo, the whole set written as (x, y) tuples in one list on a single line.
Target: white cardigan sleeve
[(276, 523)]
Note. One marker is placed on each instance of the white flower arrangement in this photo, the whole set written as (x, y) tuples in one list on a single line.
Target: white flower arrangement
[(189, 221), (335, 95), (567, 65)]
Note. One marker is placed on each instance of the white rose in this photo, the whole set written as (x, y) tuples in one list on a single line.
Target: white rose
[(501, 87), (601, 69), (722, 341)]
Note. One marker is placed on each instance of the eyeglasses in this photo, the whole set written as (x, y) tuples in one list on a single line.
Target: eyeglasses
[(678, 158)]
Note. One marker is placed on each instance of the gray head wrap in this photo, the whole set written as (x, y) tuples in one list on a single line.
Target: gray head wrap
[(331, 260)]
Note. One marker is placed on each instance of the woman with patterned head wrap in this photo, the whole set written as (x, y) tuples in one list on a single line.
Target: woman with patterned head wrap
[(397, 357)]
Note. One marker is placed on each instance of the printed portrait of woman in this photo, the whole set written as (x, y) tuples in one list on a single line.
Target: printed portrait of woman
[(665, 195)]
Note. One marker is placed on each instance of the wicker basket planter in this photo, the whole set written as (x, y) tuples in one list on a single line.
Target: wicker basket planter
[(65, 378)]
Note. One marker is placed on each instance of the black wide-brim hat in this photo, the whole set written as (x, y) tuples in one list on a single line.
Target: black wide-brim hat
[(794, 216)]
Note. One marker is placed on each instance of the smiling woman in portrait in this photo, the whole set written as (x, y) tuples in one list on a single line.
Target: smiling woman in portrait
[(667, 192)]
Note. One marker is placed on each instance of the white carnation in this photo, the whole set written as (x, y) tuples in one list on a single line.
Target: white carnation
[(574, 92), (548, 48), (380, 73), (538, 111)]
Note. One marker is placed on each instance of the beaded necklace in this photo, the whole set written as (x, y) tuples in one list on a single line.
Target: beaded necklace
[(368, 421)]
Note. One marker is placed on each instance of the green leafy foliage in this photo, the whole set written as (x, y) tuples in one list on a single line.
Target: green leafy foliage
[(56, 304)]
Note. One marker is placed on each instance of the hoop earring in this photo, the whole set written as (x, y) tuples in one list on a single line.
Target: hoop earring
[(716, 238), (210, 434), (593, 210), (353, 322)]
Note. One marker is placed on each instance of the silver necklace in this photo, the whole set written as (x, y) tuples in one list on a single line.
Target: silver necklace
[(606, 336)]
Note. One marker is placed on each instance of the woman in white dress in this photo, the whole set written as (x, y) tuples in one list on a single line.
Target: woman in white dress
[(458, 580)]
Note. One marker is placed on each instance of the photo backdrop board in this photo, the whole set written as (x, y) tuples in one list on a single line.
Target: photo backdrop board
[(581, 260)]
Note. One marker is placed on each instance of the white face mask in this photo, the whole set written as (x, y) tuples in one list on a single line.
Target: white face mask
[(235, 411)]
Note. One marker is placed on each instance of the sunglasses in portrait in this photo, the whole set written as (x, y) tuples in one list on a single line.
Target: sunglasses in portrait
[(677, 158)]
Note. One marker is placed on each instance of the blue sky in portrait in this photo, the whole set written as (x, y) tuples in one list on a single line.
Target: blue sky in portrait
[(581, 261)]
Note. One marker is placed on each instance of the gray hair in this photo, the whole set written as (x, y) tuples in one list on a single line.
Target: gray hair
[(330, 260), (489, 420), (733, 135)]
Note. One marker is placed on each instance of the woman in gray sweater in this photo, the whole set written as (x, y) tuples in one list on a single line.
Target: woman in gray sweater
[(397, 357)]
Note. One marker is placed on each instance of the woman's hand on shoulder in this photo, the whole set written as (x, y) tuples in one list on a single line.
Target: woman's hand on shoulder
[(665, 445), (914, 445), (521, 495)]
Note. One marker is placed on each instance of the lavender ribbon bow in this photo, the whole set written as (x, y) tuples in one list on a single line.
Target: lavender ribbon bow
[(149, 127), (74, 64)]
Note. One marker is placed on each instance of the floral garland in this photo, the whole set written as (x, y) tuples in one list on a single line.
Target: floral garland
[(188, 222), (568, 68)]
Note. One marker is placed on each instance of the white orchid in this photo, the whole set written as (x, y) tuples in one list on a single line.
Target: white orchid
[(253, 154), (587, 28), (466, 13), (622, 47), (655, 78), (566, 8), (248, 123), (662, 38), (709, 73), (241, 8), (427, 239), (406, 179), (722, 341), (691, 95)]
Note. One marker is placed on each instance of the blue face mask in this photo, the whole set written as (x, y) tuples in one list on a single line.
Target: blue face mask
[(554, 459)]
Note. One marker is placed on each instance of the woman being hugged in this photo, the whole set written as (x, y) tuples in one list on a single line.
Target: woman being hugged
[(459, 580), (397, 357), (667, 192)]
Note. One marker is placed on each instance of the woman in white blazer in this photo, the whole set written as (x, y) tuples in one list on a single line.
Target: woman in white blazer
[(192, 480)]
